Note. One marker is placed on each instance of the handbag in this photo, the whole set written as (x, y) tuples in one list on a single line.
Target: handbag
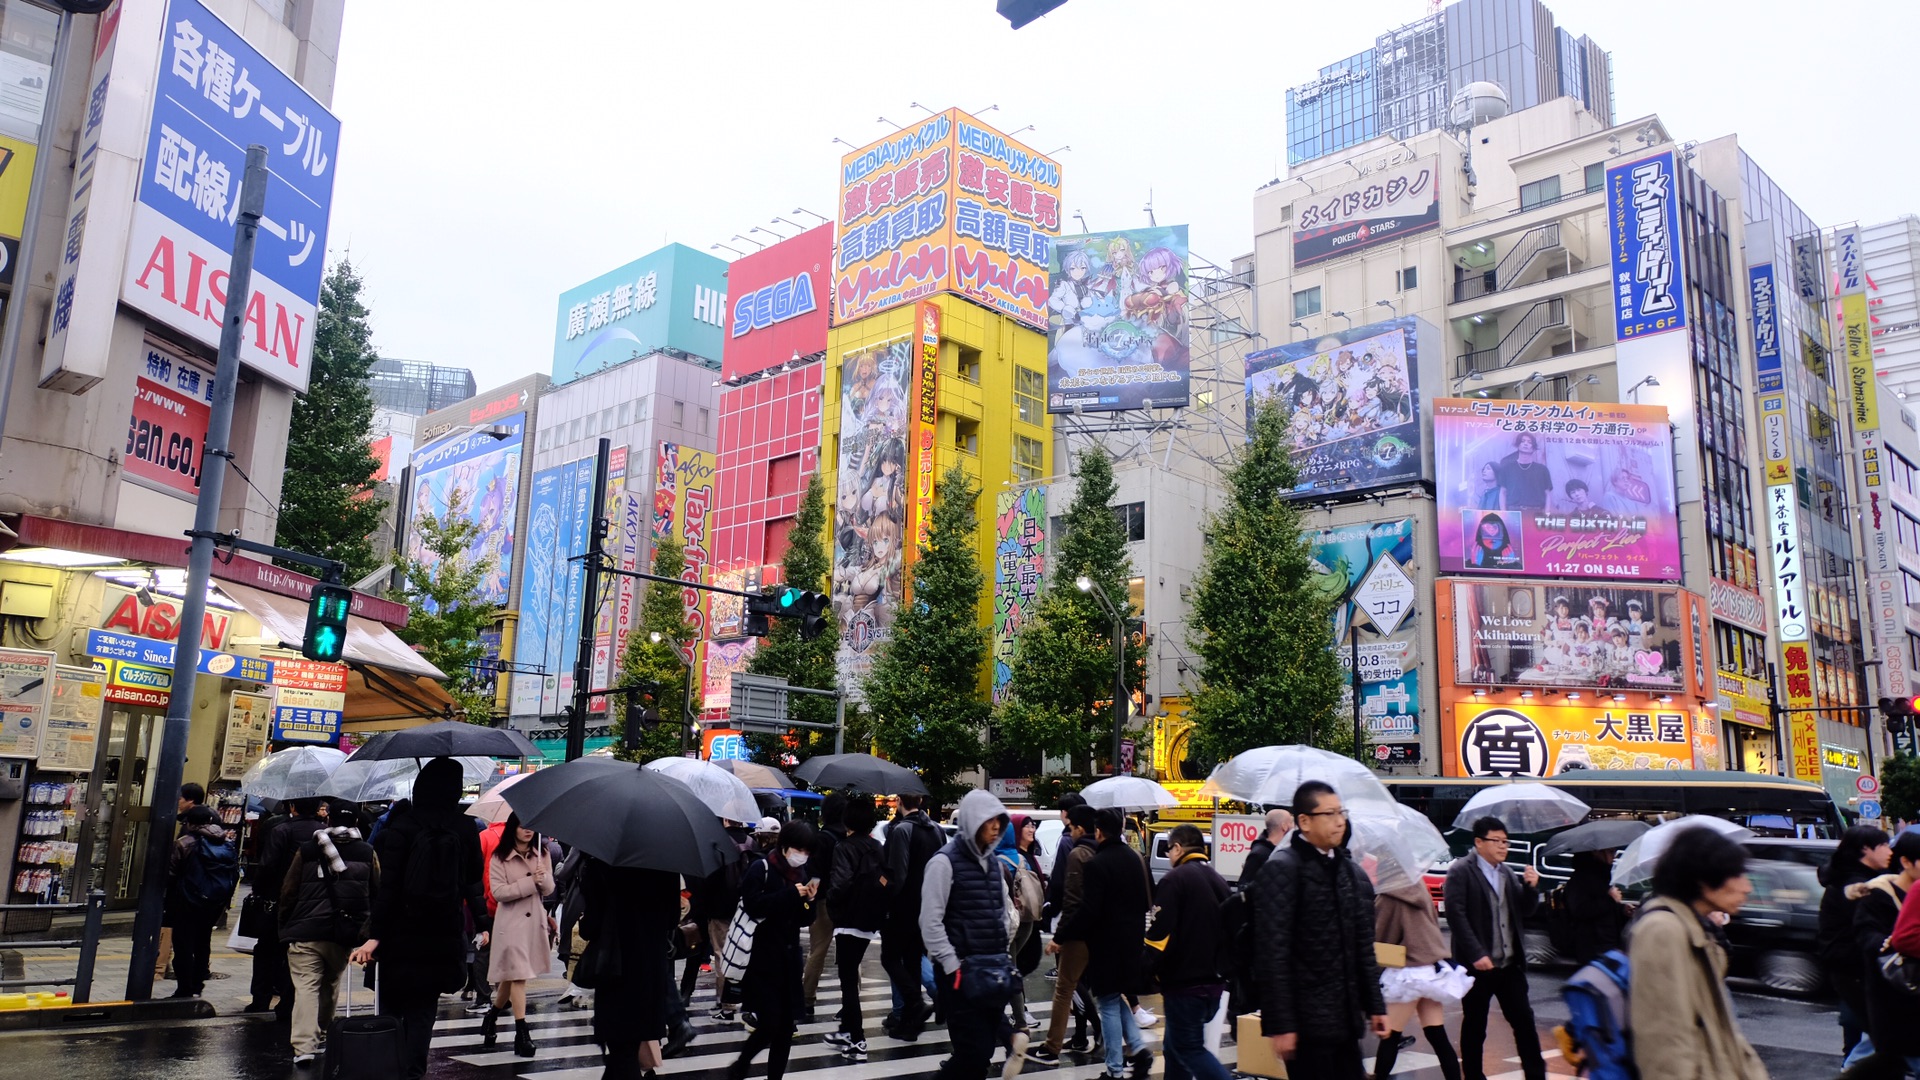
[(256, 917), (737, 950), (988, 980), (1389, 955), (599, 965), (1902, 972)]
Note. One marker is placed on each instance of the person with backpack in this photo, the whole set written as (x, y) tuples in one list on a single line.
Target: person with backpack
[(1029, 895), (1487, 904), (779, 892), (1189, 946), (628, 916), (857, 893), (1279, 824), (1425, 983), (1594, 915), (832, 829), (1863, 854), (967, 921), (1115, 899), (521, 948), (203, 869), (283, 840), (1315, 977), (431, 870), (1679, 1012), (1070, 875), (912, 841), (325, 904)]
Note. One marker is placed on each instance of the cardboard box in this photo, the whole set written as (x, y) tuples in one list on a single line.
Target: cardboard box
[(1255, 1056)]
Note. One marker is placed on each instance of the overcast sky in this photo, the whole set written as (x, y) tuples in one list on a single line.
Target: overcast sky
[(495, 154)]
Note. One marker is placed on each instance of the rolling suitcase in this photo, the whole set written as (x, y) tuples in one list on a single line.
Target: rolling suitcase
[(366, 1047)]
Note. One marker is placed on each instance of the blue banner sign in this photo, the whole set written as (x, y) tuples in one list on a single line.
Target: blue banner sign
[(1643, 232), (155, 653)]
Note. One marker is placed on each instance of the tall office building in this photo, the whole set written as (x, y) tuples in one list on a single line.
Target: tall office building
[(1400, 86)]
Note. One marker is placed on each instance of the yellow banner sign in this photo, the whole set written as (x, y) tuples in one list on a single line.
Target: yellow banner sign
[(1857, 334), (1803, 730)]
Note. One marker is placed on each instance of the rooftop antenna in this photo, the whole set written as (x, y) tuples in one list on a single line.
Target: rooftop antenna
[(1149, 209), (1476, 103)]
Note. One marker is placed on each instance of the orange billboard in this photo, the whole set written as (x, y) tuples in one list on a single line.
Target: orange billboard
[(950, 205), (1522, 739)]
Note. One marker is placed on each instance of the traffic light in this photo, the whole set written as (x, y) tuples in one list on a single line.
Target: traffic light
[(760, 608), (809, 607), (326, 637), (642, 712), (1899, 713)]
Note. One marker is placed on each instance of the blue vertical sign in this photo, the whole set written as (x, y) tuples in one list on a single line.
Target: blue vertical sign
[(543, 561), (214, 94), (1762, 299), (579, 506), (1643, 232)]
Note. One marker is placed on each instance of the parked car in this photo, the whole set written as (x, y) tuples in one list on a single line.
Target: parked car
[(1157, 859)]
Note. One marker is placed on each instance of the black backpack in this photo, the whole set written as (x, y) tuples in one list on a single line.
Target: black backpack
[(209, 875)]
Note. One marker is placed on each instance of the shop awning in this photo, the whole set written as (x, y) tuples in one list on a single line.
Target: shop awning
[(389, 686)]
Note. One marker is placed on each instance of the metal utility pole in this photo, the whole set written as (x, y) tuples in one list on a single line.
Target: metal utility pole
[(589, 604), (193, 607), (1088, 585)]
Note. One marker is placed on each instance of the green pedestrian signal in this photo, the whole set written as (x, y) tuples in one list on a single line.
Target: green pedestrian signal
[(326, 637)]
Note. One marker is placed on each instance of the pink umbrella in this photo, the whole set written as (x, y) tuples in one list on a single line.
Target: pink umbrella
[(490, 807)]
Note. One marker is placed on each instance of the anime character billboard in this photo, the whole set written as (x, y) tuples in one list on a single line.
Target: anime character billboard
[(870, 508), (1352, 401), (1565, 635), (1117, 325), (1555, 489), (483, 472)]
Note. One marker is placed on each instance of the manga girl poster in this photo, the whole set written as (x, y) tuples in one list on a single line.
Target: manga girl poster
[(870, 506), (1117, 321), (484, 472), (1352, 403)]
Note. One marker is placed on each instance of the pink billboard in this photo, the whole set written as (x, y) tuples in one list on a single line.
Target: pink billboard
[(1562, 489)]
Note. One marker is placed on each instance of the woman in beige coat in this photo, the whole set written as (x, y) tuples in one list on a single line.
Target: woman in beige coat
[(519, 874), (1422, 985), (1682, 1016)]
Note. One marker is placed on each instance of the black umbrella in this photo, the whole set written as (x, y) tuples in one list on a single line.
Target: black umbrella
[(448, 738), (860, 772), (1596, 836), (624, 815)]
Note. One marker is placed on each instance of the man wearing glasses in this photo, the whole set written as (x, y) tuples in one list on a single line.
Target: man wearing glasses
[(1486, 905)]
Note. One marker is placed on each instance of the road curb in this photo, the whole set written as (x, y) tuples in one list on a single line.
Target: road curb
[(105, 1013)]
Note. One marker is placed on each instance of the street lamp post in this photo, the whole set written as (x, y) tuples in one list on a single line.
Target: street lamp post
[(1087, 585)]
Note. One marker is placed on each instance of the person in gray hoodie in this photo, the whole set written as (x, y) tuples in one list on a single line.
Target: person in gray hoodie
[(966, 913)]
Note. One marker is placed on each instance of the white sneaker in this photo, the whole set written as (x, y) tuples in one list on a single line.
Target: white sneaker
[(303, 1059), (1144, 1018)]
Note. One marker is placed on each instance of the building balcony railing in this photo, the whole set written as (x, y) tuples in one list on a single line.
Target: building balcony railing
[(1539, 319), (1512, 265)]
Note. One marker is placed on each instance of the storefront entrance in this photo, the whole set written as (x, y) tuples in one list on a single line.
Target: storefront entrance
[(121, 800)]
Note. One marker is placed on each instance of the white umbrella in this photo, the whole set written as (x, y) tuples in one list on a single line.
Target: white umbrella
[(1127, 793), (298, 772), (1636, 864), (1269, 775), (1523, 808), (724, 793), (362, 780), (491, 807), (1396, 848)]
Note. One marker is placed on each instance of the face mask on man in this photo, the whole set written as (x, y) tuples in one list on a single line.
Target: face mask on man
[(796, 859)]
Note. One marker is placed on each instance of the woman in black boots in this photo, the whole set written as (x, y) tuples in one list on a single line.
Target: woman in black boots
[(778, 890), (1405, 917)]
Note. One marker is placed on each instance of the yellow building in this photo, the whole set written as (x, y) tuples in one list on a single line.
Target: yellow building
[(990, 409)]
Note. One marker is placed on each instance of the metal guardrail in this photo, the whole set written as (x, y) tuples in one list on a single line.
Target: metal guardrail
[(88, 944), (1540, 238)]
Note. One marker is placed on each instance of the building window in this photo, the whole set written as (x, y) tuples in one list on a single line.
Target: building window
[(701, 420), (587, 430), (1029, 457), (966, 435), (1405, 280), (680, 413), (1596, 176), (1133, 520), (783, 476), (624, 414), (642, 409), (1029, 394), (606, 420), (968, 363), (573, 431), (1539, 193), (1306, 302)]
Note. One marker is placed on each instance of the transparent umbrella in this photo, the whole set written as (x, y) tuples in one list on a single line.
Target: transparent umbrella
[(363, 780), (723, 793), (1523, 808), (1395, 847), (1635, 865), (1128, 793), (1269, 775), (300, 772)]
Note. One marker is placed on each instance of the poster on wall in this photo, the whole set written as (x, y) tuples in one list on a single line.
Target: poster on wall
[(481, 473), (1019, 573), (683, 497), (548, 632), (72, 735), (1570, 635), (1555, 489), (1548, 740), (1117, 325), (1352, 403), (724, 660), (26, 685), (870, 513), (1389, 661), (249, 716)]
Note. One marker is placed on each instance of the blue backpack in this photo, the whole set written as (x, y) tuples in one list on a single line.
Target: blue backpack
[(209, 875), (1596, 1038)]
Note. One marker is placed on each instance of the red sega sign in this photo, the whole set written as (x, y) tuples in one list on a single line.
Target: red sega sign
[(779, 303)]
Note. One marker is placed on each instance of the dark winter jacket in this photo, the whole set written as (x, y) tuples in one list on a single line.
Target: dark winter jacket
[(964, 895), (1595, 917), (911, 842), (855, 898), (276, 854), (1313, 964), (1112, 918), (1057, 881), (718, 894), (1257, 855), (1889, 1012), (423, 941), (1186, 934), (328, 891), (633, 912), (1470, 914), (770, 892), (1834, 943), (177, 910)]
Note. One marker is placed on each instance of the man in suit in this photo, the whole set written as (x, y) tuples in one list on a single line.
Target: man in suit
[(1486, 906)]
